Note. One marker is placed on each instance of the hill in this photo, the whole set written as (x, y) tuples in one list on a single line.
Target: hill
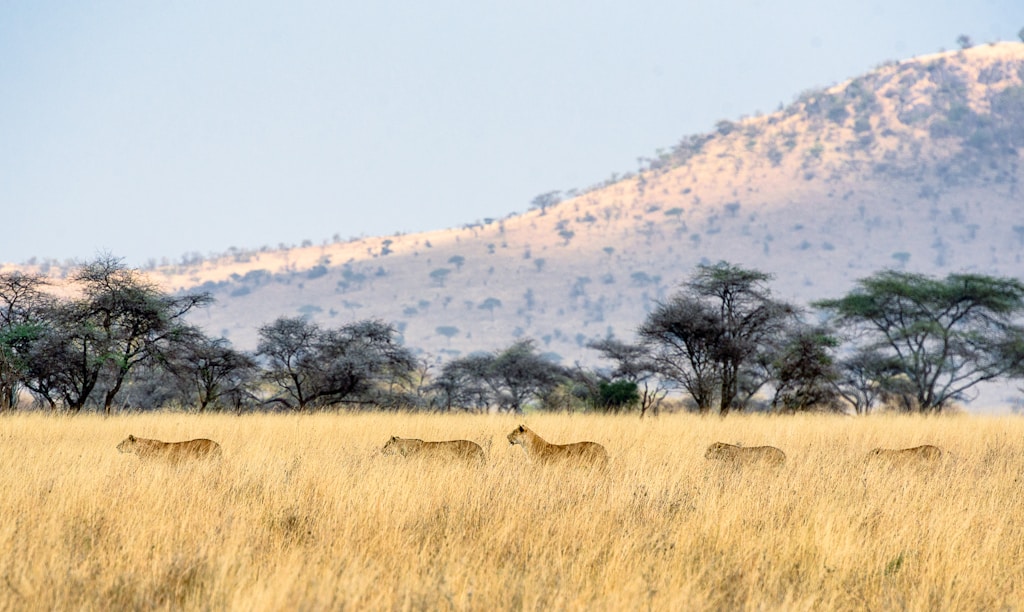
[(914, 165)]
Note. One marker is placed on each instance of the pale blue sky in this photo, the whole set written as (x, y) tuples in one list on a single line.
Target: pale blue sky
[(155, 129)]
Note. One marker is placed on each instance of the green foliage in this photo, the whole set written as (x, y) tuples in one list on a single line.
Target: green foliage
[(947, 335), (894, 565), (91, 343), (804, 372), (618, 395), (22, 323)]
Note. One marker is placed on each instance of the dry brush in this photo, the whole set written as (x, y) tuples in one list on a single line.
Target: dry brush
[(304, 512)]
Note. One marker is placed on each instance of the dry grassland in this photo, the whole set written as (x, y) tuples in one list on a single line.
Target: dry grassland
[(304, 513)]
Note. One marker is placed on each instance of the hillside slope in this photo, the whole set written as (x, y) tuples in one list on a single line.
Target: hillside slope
[(914, 165)]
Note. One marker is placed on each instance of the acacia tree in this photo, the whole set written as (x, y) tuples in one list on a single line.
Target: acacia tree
[(509, 378), (210, 371), (462, 383), (683, 336), (93, 341), (751, 320), (66, 358), (363, 362), (289, 347), (946, 335), (804, 371), (128, 318), (545, 200), (315, 367), (22, 303), (518, 374), (865, 376), (707, 334), (633, 364)]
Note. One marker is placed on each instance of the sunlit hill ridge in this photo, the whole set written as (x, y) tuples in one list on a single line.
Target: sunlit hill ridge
[(914, 165)]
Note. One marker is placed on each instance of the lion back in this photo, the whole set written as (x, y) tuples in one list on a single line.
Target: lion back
[(201, 448), (581, 452), (745, 454), (926, 452), (456, 449), (174, 452), (468, 449), (770, 454)]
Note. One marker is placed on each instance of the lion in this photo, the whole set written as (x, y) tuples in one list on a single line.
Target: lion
[(721, 451), (541, 451), (173, 452), (925, 452), (447, 449)]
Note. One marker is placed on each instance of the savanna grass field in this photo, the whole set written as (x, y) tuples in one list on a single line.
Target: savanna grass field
[(304, 513)]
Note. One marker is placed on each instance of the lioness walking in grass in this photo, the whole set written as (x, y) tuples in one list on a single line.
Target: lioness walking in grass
[(720, 451), (173, 452), (541, 451), (448, 449), (925, 452)]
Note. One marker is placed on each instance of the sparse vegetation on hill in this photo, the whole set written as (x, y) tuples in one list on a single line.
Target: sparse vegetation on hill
[(913, 165)]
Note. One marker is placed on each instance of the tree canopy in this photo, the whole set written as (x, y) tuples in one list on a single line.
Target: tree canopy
[(509, 378), (707, 334), (944, 335), (314, 367), (113, 338), (69, 348)]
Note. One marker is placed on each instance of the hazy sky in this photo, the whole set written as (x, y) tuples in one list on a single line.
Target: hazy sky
[(155, 129)]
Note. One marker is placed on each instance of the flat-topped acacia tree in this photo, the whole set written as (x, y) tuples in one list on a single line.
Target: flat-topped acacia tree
[(707, 335), (946, 335), (88, 344)]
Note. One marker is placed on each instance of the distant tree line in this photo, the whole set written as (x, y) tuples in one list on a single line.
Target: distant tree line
[(722, 341)]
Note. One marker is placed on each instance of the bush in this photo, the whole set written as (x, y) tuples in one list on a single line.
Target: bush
[(617, 395)]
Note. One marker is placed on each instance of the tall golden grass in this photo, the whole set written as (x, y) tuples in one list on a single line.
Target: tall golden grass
[(304, 513)]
